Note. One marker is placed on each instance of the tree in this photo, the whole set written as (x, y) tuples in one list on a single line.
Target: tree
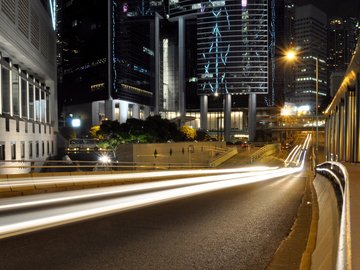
[(94, 132), (188, 132), (153, 129), (162, 130), (109, 128)]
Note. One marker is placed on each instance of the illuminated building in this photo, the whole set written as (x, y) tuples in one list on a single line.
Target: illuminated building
[(28, 109), (233, 44), (233, 57), (311, 40), (110, 59), (342, 34), (167, 57)]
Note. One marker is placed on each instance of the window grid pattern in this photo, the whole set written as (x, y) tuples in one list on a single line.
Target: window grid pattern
[(233, 47)]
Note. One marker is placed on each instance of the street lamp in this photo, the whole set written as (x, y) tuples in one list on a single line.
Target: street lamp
[(291, 55)]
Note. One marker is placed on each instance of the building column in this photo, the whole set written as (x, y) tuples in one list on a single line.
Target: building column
[(124, 108), (203, 112), (227, 117), (342, 131), (337, 135), (136, 111), (181, 67), (252, 117), (109, 109), (350, 112), (356, 122), (157, 62), (327, 139)]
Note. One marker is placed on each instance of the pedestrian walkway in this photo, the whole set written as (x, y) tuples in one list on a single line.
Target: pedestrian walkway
[(244, 158), (354, 185)]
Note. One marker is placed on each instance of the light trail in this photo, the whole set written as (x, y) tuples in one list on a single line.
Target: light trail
[(297, 154), (52, 198), (85, 204), (57, 180), (15, 224)]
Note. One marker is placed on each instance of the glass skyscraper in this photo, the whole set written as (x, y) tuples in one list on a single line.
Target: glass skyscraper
[(233, 44)]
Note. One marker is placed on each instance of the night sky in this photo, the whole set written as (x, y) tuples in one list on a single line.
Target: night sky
[(340, 8)]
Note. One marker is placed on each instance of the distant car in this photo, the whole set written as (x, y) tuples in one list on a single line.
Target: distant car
[(245, 145), (79, 145), (286, 146)]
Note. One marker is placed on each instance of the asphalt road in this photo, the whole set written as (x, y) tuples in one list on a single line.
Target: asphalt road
[(236, 228)]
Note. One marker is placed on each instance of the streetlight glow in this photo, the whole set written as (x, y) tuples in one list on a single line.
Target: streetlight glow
[(290, 55)]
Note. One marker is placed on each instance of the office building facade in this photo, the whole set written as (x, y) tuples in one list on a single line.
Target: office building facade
[(28, 99), (111, 59), (311, 41), (342, 38)]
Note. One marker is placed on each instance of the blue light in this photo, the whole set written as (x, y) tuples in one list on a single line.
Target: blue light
[(217, 52), (52, 4)]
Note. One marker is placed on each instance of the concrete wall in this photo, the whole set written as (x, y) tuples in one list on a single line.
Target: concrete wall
[(324, 256), (169, 153)]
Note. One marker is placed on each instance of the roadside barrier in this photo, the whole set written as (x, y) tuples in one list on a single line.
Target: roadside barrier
[(338, 176)]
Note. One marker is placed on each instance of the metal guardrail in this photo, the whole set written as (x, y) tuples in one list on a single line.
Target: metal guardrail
[(339, 177), (223, 157), (78, 165), (264, 151)]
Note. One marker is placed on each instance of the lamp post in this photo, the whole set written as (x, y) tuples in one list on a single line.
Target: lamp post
[(291, 55)]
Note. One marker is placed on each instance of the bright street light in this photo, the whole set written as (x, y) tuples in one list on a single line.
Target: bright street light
[(290, 55)]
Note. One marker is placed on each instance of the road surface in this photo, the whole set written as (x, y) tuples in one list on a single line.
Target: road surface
[(235, 228)]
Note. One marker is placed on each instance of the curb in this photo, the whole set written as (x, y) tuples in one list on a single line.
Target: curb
[(311, 243)]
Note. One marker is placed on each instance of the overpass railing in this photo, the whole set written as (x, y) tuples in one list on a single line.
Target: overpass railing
[(337, 174), (342, 129)]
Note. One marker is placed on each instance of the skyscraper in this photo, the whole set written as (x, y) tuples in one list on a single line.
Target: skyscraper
[(28, 109), (111, 59), (311, 40), (233, 44), (342, 34)]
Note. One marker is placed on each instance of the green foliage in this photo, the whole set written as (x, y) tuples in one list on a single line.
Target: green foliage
[(153, 129), (109, 128), (162, 130)]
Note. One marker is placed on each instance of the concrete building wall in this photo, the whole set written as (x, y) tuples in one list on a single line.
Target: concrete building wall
[(28, 95)]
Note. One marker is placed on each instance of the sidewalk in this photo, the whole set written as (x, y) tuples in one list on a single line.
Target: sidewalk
[(354, 185)]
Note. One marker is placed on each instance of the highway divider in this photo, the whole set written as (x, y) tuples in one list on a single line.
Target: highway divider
[(333, 241)]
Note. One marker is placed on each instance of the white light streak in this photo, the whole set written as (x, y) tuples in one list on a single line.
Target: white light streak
[(78, 179), (71, 196), (52, 5), (19, 223)]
